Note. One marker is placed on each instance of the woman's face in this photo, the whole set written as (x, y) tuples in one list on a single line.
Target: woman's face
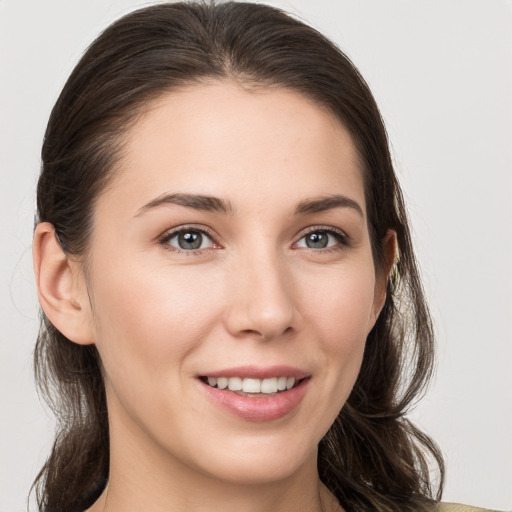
[(232, 246)]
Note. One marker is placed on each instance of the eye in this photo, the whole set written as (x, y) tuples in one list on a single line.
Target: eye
[(321, 239), (188, 239)]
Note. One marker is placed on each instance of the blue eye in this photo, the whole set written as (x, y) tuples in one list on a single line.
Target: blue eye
[(189, 240), (320, 239)]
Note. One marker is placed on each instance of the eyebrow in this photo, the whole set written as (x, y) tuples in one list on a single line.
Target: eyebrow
[(327, 203), (197, 202), (215, 204)]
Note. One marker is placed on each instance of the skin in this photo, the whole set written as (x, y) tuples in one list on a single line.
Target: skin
[(254, 294)]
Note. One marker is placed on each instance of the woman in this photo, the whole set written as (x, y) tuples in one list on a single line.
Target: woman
[(233, 317)]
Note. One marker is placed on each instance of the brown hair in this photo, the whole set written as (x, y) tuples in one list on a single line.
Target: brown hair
[(372, 457)]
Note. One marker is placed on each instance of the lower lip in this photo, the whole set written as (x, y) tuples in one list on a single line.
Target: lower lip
[(265, 408)]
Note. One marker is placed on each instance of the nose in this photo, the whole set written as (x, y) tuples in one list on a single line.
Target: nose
[(261, 298)]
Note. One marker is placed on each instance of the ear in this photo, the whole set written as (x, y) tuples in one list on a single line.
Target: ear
[(390, 248), (61, 286)]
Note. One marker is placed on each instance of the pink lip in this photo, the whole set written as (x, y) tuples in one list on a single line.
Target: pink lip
[(259, 372), (265, 408)]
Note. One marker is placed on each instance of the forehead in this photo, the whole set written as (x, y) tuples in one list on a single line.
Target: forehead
[(241, 144)]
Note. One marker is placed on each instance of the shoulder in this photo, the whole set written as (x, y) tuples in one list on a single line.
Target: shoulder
[(457, 507)]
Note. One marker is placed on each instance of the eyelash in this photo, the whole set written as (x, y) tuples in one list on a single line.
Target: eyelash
[(164, 240), (338, 234), (341, 237)]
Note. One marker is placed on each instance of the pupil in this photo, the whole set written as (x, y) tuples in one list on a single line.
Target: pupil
[(317, 240), (190, 240)]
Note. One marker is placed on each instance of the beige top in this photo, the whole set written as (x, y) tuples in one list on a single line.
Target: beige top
[(457, 507)]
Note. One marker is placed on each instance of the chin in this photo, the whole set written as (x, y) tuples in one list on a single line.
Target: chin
[(260, 463)]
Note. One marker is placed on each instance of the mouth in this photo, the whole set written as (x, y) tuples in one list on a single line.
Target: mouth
[(253, 387), (256, 393)]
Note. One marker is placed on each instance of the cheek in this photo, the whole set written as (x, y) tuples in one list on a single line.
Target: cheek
[(148, 320), (340, 312), (340, 303)]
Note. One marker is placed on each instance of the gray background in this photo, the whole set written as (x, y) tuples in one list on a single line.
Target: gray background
[(441, 73)]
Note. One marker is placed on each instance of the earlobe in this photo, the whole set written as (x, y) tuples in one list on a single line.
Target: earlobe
[(61, 286), (390, 247)]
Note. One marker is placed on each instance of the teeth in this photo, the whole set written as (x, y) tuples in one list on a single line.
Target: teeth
[(269, 385), (222, 383), (251, 386), (248, 385), (235, 384)]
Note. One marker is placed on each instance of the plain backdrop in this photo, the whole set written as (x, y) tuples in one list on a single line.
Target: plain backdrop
[(441, 73)]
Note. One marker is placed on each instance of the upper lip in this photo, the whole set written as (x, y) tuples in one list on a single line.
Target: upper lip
[(259, 372)]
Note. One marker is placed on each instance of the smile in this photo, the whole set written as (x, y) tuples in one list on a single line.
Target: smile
[(256, 393), (247, 386)]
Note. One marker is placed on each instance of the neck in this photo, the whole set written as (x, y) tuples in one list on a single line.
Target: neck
[(277, 497), (143, 477)]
